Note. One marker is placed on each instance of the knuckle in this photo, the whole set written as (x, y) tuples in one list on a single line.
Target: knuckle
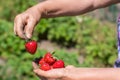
[(17, 17), (32, 18)]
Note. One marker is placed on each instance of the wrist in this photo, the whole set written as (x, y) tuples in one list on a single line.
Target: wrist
[(43, 8)]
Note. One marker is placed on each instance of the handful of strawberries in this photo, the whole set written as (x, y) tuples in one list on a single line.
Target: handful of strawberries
[(48, 62)]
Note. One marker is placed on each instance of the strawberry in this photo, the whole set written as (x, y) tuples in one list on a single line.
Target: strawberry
[(45, 66), (31, 46), (49, 59), (41, 61), (58, 64)]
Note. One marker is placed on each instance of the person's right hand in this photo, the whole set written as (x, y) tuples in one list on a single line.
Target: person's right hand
[(25, 22)]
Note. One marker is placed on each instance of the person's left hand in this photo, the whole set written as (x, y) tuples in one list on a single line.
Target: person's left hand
[(53, 74)]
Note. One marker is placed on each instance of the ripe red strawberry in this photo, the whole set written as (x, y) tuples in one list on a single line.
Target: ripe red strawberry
[(31, 46), (41, 61), (45, 66), (49, 59), (58, 64)]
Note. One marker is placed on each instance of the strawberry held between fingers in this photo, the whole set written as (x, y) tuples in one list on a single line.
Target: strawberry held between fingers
[(31, 46)]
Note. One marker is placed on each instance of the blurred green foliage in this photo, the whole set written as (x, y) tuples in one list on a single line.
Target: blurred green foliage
[(17, 60), (10, 8), (95, 40)]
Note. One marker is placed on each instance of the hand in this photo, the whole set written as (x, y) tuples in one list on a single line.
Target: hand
[(73, 73), (54, 74), (25, 22)]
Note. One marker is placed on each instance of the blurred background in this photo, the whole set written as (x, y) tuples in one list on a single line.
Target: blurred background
[(87, 40)]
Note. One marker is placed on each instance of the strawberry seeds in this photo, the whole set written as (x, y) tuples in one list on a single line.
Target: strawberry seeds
[(31, 46), (48, 62)]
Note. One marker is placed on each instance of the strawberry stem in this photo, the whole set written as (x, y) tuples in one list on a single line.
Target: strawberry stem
[(53, 53)]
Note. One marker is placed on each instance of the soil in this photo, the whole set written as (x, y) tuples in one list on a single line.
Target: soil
[(52, 46)]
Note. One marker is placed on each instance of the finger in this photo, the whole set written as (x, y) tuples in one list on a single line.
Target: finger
[(40, 72), (42, 78), (29, 28), (53, 79), (70, 66), (35, 66), (54, 73), (19, 26)]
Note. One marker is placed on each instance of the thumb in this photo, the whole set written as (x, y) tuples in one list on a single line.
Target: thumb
[(35, 66), (70, 66), (29, 28)]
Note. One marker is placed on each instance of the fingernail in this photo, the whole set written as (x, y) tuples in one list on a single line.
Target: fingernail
[(28, 36), (35, 71), (25, 37)]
